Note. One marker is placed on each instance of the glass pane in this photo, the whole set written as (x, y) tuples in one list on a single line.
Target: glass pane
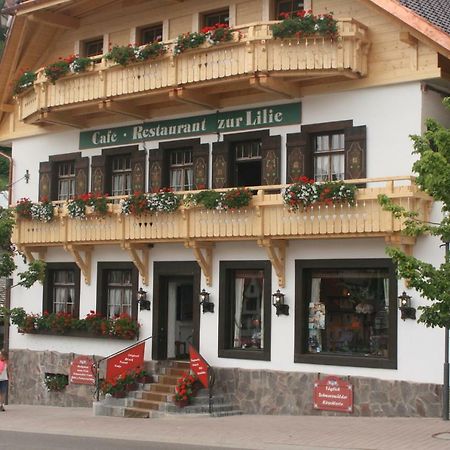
[(349, 312), (321, 168), (151, 34), (248, 330), (337, 141), (322, 144), (337, 166)]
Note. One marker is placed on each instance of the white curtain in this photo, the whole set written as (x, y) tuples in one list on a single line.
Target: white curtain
[(315, 290), (238, 295)]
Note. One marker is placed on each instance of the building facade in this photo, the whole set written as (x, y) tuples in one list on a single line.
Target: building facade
[(251, 110)]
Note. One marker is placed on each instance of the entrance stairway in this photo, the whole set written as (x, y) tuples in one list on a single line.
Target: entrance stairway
[(154, 400)]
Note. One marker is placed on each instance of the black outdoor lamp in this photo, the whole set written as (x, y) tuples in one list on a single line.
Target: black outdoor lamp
[(204, 301), (278, 302), (404, 305), (143, 303)]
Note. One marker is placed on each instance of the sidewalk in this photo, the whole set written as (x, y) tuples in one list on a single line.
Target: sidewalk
[(251, 432)]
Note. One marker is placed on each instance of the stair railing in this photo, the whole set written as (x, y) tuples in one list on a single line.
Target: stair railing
[(97, 365)]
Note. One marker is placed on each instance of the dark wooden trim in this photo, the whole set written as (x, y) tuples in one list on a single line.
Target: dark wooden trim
[(327, 126), (179, 144), (162, 270), (124, 150), (66, 157), (301, 314), (245, 136), (102, 268), (224, 310), (47, 304)]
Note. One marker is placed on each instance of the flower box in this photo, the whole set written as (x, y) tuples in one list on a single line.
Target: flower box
[(75, 333)]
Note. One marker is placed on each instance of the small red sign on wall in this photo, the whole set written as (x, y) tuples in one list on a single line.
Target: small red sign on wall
[(82, 371), (199, 366), (333, 394)]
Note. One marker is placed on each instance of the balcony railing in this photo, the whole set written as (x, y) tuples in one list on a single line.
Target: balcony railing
[(253, 51), (266, 220)]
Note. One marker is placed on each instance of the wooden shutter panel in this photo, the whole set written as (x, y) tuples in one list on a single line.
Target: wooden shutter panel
[(98, 175), (299, 157), (156, 170), (220, 165), (46, 181), (355, 152), (138, 171), (81, 175), (200, 158), (271, 160)]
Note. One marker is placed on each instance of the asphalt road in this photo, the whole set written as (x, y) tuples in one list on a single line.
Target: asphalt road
[(13, 440)]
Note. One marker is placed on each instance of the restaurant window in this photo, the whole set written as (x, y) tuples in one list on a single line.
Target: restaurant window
[(66, 180), (247, 157), (116, 289), (245, 309), (93, 47), (121, 175), (287, 7), (347, 313), (329, 156), (151, 34), (62, 289), (181, 170), (211, 19)]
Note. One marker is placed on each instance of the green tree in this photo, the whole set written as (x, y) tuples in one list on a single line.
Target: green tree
[(433, 177)]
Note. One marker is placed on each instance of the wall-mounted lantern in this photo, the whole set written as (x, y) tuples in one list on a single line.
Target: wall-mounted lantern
[(278, 302), (404, 305), (207, 306), (143, 303)]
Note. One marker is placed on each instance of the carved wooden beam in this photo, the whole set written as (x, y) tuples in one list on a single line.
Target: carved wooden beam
[(404, 243), (183, 95), (203, 254), (124, 108), (84, 263), (6, 107), (276, 251), (271, 85), (140, 255), (28, 252), (59, 118), (55, 20)]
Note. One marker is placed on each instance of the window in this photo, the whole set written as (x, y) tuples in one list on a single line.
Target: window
[(93, 47), (211, 19), (151, 34), (245, 309), (247, 156), (181, 170), (116, 289), (66, 180), (329, 156), (287, 7), (62, 288), (346, 312), (121, 175)]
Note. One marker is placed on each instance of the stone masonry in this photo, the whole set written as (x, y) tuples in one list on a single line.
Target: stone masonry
[(272, 392)]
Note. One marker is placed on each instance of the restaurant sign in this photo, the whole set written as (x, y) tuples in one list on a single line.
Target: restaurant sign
[(220, 122), (333, 394), (82, 371)]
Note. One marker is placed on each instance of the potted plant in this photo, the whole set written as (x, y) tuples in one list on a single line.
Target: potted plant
[(123, 55), (23, 208), (184, 390), (25, 80), (144, 377), (55, 382)]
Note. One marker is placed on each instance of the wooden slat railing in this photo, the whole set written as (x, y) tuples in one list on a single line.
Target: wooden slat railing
[(253, 50), (265, 218)]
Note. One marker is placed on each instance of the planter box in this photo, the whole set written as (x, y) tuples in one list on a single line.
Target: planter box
[(77, 333)]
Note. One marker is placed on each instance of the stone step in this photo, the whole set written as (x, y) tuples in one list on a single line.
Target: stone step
[(168, 379), (199, 409), (148, 404), (185, 365), (175, 372), (136, 412), (204, 400), (167, 388), (234, 412), (155, 396)]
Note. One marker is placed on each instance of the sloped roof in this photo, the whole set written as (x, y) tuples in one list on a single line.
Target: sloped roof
[(436, 12)]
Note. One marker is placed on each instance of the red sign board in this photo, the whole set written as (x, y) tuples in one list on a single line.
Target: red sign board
[(199, 366), (130, 360), (82, 371), (333, 394)]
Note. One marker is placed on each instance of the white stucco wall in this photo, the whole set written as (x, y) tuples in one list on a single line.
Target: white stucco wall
[(391, 114)]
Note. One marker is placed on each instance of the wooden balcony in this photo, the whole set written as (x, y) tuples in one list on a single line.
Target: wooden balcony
[(266, 221), (210, 77)]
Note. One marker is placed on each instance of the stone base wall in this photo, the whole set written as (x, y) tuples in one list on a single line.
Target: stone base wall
[(291, 393), (27, 386)]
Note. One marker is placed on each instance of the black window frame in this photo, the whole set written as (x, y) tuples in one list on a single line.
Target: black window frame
[(226, 269), (207, 18), (292, 9), (103, 268), (151, 29), (329, 153), (301, 354), (47, 300), (71, 178), (93, 42)]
